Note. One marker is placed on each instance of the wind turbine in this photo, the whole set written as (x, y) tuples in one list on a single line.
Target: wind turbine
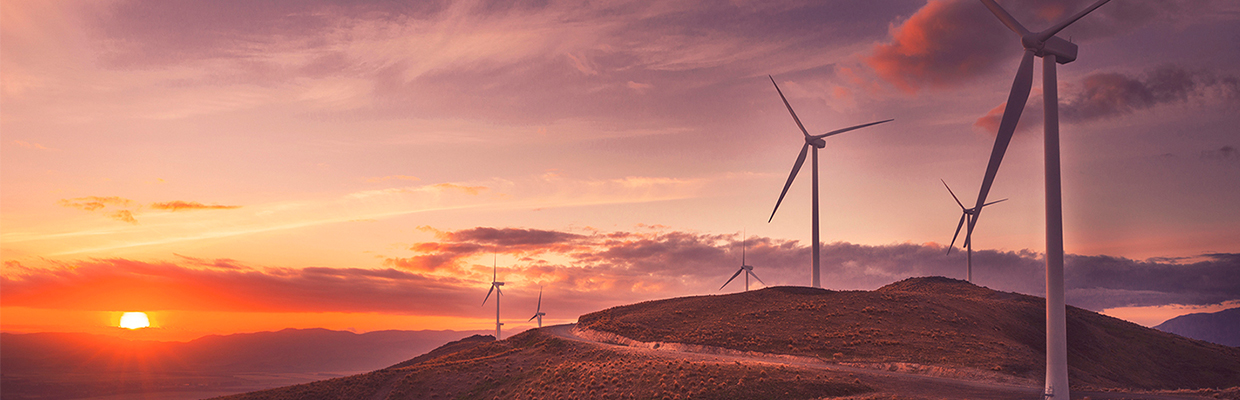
[(495, 284), (747, 269), (968, 236), (1052, 50), (538, 311), (817, 142)]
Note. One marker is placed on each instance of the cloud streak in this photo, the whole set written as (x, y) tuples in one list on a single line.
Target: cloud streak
[(178, 205)]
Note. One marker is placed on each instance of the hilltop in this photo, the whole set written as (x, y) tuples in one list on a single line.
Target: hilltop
[(911, 339), (928, 321)]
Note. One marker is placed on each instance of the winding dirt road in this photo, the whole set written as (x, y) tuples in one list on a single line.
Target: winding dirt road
[(899, 385)]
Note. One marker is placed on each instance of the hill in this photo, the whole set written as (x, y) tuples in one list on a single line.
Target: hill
[(928, 321), (40, 365), (802, 343), (1221, 327)]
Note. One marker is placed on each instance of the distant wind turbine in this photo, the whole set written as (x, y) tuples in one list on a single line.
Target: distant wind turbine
[(1052, 50), (966, 213), (538, 311), (817, 142), (747, 269), (495, 284)]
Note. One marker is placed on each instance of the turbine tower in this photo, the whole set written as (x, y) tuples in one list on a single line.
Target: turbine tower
[(495, 288), (747, 269), (1052, 50), (817, 142), (538, 311), (968, 236)]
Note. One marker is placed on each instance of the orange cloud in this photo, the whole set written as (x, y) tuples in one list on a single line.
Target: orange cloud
[(178, 205), (92, 203), (941, 44), (473, 190)]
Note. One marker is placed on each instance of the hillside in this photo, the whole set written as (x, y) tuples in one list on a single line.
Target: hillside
[(1221, 327), (536, 365), (928, 321), (942, 336)]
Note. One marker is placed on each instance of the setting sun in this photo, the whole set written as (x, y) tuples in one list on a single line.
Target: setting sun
[(134, 320)]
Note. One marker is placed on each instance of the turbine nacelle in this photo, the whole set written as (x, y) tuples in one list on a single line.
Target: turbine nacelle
[(1063, 50), (816, 142), (747, 267)]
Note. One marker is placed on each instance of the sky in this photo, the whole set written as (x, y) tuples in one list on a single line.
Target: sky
[(238, 166)]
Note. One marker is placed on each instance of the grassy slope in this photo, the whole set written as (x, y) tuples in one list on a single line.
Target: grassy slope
[(534, 365), (929, 321)]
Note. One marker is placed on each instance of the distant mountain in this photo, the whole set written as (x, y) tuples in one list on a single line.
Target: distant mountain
[(905, 340), (1221, 327), (112, 365)]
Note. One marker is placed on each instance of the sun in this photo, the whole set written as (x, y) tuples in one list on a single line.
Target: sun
[(134, 320)]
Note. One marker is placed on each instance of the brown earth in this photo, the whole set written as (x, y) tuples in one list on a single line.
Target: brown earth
[(924, 338), (928, 321)]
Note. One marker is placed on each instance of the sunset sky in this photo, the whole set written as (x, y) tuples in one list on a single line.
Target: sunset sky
[(240, 166)]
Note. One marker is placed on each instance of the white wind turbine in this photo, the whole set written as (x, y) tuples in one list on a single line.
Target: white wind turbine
[(747, 269), (817, 142), (1052, 50), (538, 311), (495, 288), (968, 236)]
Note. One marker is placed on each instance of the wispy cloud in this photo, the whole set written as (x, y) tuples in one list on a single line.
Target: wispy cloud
[(178, 205)]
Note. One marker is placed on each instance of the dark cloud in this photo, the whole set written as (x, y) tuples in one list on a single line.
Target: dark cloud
[(1226, 153), (1111, 94)]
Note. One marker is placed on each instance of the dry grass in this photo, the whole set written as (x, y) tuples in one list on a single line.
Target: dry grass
[(928, 321)]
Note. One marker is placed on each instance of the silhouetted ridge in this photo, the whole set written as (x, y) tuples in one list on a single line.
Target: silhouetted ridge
[(1221, 327)]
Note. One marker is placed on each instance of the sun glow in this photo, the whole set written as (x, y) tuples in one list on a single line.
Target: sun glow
[(134, 320)]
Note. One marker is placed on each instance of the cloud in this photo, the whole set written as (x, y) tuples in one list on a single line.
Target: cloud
[(939, 46), (1226, 153), (392, 177), (30, 145), (1110, 94), (178, 205), (123, 215), (1104, 95), (587, 271), (948, 43), (92, 203)]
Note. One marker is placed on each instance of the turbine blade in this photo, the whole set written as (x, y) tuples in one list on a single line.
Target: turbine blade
[(1011, 115), (839, 131), (738, 273), (1006, 18), (794, 113), (1046, 34), (993, 202), (755, 276), (532, 318), (539, 309), (484, 301), (795, 168), (949, 190), (958, 225)]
